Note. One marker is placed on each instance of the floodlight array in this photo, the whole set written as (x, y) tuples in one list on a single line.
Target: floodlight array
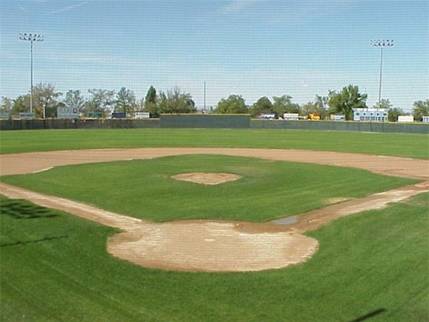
[(382, 43), (30, 36)]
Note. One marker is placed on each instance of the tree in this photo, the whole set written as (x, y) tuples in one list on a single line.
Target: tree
[(321, 101), (261, 106), (313, 108), (6, 104), (21, 104), (125, 101), (191, 103), (393, 113), (176, 101), (45, 100), (100, 102), (283, 104), (234, 104), (150, 102), (140, 104), (151, 95), (345, 101), (420, 109), (384, 103), (74, 100), (319, 107)]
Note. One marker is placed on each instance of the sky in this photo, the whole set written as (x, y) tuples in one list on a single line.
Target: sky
[(252, 48)]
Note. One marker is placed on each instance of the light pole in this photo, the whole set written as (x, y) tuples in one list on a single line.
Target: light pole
[(381, 44), (31, 38)]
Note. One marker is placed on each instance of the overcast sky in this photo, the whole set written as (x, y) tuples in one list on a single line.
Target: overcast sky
[(249, 47)]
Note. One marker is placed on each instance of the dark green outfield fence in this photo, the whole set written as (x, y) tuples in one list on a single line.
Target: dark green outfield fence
[(212, 121), (205, 121), (341, 126), (77, 124)]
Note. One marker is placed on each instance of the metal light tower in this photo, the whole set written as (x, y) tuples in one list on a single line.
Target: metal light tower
[(31, 38), (381, 44)]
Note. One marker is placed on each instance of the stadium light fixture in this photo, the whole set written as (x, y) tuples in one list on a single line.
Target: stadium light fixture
[(31, 37), (381, 43)]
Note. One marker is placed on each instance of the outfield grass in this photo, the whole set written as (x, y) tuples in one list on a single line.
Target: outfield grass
[(55, 267), (407, 145), (266, 190)]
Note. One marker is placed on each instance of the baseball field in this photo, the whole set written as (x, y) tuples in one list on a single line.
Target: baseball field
[(214, 225)]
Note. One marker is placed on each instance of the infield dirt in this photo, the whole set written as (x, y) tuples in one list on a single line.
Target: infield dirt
[(202, 245), (206, 178)]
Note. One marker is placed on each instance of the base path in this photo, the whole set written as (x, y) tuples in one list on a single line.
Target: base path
[(203, 245), (21, 163)]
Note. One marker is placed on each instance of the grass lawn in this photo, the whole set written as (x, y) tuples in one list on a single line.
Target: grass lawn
[(407, 145), (145, 189), (55, 267)]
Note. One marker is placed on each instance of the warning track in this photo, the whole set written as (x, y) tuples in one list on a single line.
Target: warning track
[(203, 245)]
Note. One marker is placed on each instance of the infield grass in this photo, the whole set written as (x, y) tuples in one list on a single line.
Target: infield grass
[(54, 267), (267, 189), (406, 145)]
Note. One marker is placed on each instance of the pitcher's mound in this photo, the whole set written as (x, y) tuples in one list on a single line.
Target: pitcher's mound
[(210, 247), (206, 178)]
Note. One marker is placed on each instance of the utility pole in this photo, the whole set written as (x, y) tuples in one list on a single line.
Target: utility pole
[(205, 93), (381, 44), (31, 38)]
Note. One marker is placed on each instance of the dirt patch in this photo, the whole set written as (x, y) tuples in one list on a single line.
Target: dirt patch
[(313, 220), (206, 178), (79, 209), (210, 247), (202, 245), (331, 201)]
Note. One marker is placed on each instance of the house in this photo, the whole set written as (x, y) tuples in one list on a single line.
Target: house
[(405, 119), (291, 116), (337, 117), (267, 116)]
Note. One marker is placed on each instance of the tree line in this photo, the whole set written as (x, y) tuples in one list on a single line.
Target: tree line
[(101, 102), (336, 102)]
